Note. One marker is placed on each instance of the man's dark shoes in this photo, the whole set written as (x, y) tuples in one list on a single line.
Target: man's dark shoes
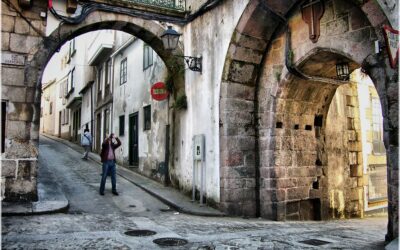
[(115, 193), (101, 193)]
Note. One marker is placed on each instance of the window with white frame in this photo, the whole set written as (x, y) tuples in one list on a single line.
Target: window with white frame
[(99, 79), (108, 72), (123, 72), (147, 56), (377, 133)]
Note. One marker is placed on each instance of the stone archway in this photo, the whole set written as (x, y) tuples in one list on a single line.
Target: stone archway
[(252, 82), (21, 151)]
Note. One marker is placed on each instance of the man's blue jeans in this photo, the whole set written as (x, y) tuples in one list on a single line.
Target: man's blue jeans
[(108, 166)]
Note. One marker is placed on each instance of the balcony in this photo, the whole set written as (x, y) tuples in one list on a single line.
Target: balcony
[(177, 5), (100, 47)]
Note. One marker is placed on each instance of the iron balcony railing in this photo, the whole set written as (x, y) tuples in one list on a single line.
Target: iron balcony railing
[(179, 5)]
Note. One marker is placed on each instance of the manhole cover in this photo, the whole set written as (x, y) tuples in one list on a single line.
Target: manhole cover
[(170, 242), (140, 233), (315, 242)]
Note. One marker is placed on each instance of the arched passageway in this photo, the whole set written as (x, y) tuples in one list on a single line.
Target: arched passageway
[(273, 153), (25, 146)]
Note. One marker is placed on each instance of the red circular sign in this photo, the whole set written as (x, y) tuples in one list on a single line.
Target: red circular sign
[(159, 91)]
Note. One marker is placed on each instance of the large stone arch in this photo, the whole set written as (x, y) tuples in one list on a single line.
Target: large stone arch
[(21, 151), (251, 84)]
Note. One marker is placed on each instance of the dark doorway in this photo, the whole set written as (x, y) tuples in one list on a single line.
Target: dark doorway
[(76, 124), (59, 123), (133, 140)]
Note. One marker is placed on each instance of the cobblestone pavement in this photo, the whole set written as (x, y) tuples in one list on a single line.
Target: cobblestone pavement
[(100, 222)]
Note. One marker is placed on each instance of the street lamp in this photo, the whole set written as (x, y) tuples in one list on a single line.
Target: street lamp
[(170, 40), (342, 71)]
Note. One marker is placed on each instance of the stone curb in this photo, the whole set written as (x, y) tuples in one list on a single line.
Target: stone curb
[(39, 207), (123, 172)]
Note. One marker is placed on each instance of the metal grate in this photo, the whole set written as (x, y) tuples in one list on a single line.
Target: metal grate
[(315, 242), (140, 233), (170, 242), (179, 5)]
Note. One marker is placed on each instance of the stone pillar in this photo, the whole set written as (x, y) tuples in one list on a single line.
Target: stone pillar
[(22, 31), (386, 82)]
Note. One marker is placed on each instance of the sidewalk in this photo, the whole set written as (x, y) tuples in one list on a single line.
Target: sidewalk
[(168, 195), (51, 199)]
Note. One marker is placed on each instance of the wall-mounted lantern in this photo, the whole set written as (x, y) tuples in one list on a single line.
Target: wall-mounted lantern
[(342, 71), (170, 40)]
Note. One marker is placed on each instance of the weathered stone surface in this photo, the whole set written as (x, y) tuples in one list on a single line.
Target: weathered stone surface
[(21, 26), (230, 104), (249, 42), (13, 94), (339, 26), (26, 169), (21, 149), (298, 193), (8, 168), (12, 76), (7, 23), (20, 112), (242, 72), (19, 190), (5, 41), (236, 90), (23, 44), (245, 54), (18, 130), (38, 25)]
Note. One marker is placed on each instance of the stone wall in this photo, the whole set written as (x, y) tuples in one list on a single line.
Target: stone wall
[(255, 63), (21, 34)]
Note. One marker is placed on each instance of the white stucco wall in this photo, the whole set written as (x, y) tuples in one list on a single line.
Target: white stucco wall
[(210, 34), (131, 97)]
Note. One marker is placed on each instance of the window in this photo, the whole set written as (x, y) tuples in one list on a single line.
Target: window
[(51, 108), (99, 77), (108, 72), (147, 56), (72, 84), (106, 122), (121, 125), (147, 117), (72, 47), (377, 136), (65, 87), (123, 69)]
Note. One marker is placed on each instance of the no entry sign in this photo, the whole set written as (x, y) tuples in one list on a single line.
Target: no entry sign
[(159, 91)]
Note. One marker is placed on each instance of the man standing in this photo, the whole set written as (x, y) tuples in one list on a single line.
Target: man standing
[(108, 159), (86, 142)]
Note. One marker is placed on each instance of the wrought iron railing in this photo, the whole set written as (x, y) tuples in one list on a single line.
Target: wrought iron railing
[(179, 5)]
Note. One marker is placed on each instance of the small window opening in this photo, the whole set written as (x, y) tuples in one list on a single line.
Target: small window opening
[(279, 125), (308, 127), (318, 121)]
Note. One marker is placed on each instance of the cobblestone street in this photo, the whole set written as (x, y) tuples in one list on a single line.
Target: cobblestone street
[(100, 222)]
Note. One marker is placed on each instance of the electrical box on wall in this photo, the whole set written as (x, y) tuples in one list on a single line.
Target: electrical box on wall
[(199, 147)]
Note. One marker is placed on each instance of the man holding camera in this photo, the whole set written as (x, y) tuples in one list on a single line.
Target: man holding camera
[(108, 159)]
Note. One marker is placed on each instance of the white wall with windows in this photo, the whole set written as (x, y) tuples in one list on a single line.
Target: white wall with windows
[(136, 68)]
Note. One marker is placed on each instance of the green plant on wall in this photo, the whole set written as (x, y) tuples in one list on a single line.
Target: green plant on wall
[(180, 102)]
